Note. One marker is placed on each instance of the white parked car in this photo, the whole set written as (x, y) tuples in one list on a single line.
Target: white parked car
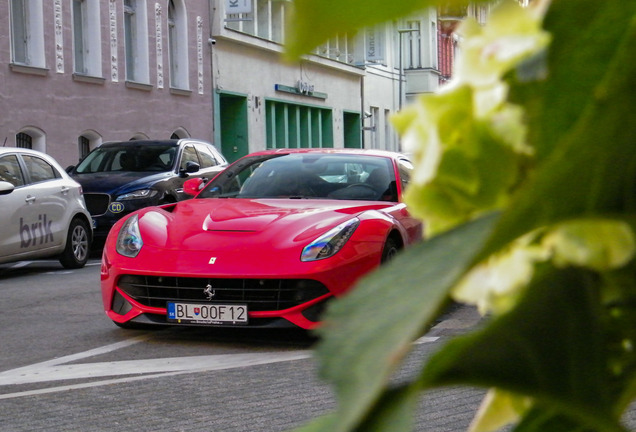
[(42, 210)]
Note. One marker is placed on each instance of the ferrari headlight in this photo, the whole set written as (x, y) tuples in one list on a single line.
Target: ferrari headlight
[(138, 194), (331, 242), (129, 240)]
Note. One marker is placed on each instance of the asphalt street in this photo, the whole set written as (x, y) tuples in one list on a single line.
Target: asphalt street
[(65, 367)]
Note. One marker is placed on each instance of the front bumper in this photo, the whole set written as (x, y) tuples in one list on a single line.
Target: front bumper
[(134, 293)]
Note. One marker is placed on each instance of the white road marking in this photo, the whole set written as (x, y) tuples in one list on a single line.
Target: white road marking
[(84, 385), (59, 369), (79, 356), (39, 373)]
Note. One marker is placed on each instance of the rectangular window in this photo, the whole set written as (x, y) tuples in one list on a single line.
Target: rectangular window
[(80, 44), (413, 48), (266, 19), (278, 21), (84, 146), (130, 35), (20, 31), (263, 19)]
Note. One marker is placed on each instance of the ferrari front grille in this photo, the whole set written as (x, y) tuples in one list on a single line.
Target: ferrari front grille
[(258, 294)]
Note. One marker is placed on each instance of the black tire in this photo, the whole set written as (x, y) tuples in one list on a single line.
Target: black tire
[(391, 248), (78, 242)]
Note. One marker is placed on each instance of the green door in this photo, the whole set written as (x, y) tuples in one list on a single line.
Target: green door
[(352, 129), (233, 126)]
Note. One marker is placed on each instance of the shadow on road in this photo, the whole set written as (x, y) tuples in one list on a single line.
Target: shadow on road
[(267, 339)]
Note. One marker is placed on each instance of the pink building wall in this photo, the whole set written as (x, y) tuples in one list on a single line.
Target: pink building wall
[(60, 106)]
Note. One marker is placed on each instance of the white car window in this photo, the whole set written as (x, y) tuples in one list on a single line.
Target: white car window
[(10, 170), (39, 170)]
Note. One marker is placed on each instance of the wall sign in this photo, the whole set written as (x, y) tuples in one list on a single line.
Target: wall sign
[(238, 6), (302, 89)]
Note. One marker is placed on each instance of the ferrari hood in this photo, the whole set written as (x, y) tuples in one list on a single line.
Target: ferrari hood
[(194, 224)]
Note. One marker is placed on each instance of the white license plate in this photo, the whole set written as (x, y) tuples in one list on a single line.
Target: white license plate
[(206, 313)]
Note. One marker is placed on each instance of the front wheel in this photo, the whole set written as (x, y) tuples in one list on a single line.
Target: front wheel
[(390, 250), (77, 246)]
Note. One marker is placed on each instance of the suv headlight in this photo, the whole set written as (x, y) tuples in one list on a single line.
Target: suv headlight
[(129, 240), (138, 194), (331, 242)]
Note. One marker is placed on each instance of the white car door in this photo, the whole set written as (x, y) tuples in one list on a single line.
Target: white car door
[(34, 212), (10, 171)]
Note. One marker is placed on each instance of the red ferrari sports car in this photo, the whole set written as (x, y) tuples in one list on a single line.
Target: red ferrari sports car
[(265, 243)]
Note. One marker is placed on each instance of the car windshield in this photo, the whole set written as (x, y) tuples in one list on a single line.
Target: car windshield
[(129, 158), (302, 175)]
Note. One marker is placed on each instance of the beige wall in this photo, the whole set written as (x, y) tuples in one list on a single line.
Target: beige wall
[(255, 70)]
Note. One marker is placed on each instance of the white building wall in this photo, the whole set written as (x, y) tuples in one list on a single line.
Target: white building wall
[(247, 61), (380, 96), (409, 54), (255, 69)]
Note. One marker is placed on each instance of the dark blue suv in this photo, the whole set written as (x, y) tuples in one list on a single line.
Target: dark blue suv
[(120, 177)]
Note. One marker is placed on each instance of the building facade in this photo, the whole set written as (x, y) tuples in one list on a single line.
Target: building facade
[(263, 102), (76, 73), (341, 95)]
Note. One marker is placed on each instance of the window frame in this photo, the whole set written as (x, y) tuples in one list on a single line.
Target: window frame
[(28, 159), (178, 45), (136, 41), (27, 33), (19, 181)]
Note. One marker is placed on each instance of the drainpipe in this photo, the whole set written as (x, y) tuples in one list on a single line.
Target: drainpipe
[(211, 44), (362, 132)]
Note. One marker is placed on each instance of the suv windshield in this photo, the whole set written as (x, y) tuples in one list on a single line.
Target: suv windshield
[(328, 176), (129, 158)]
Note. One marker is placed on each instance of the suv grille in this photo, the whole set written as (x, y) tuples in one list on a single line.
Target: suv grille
[(96, 203), (258, 294)]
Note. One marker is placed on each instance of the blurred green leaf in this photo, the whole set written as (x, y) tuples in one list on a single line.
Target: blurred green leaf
[(393, 412), (320, 424), (367, 333), (550, 347), (586, 34), (586, 165), (549, 420), (556, 345), (313, 22)]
